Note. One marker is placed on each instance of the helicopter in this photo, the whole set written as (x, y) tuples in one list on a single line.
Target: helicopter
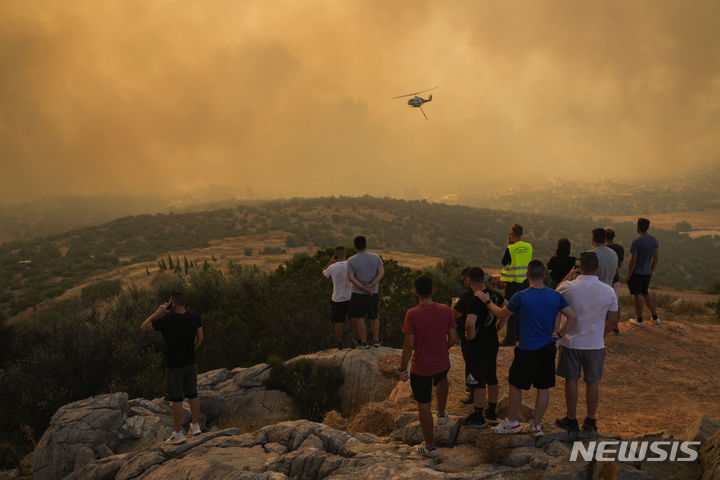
[(416, 101)]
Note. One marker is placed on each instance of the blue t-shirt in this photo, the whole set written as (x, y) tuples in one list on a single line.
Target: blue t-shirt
[(644, 249), (537, 309)]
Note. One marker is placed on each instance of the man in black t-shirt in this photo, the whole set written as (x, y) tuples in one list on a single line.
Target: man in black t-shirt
[(459, 310), (482, 350), (620, 251), (182, 333)]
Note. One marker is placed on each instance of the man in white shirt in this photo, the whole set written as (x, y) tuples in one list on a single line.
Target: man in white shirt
[(583, 345), (342, 289), (607, 258)]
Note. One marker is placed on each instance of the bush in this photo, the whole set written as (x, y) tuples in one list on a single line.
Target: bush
[(101, 290), (248, 252), (312, 384)]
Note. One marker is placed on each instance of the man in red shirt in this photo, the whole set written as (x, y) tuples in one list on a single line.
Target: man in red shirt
[(430, 331)]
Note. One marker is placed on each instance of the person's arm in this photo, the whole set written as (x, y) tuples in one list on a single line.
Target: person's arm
[(500, 313), (354, 280), (333, 259), (656, 257), (571, 275), (452, 338), (198, 337), (146, 325), (571, 317), (631, 265), (611, 321), (378, 276), (408, 345), (470, 330), (506, 257)]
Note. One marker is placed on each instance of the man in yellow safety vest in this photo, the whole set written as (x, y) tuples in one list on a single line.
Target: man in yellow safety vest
[(518, 255)]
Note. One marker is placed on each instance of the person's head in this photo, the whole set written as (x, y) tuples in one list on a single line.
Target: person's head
[(178, 300), (589, 264), (360, 243), (517, 232), (536, 271), (642, 225), (464, 276), (563, 248), (423, 286), (476, 278), (340, 252), (599, 236), (609, 234)]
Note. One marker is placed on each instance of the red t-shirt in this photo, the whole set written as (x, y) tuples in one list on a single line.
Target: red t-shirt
[(429, 324)]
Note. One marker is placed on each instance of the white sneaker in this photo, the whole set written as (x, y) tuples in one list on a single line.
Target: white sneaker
[(427, 452), (176, 438), (194, 429), (633, 321), (442, 418), (536, 430), (508, 427), (657, 321)]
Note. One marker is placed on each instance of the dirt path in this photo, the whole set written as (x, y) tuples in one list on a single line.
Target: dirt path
[(656, 378)]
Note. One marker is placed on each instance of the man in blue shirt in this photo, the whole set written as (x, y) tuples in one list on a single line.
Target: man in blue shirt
[(643, 260), (537, 308)]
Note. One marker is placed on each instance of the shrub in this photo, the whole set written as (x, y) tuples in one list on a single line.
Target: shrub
[(248, 252), (101, 290), (312, 384)]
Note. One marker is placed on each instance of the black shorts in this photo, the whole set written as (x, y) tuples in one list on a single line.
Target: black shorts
[(340, 311), (638, 284), (481, 366), (364, 305), (533, 367), (422, 386), (181, 383)]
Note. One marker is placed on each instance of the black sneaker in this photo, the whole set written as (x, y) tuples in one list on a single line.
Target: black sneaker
[(491, 418), (341, 346), (469, 400), (376, 343), (567, 424), (476, 419), (589, 425), (364, 345), (616, 330)]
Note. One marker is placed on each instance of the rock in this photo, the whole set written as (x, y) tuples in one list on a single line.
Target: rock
[(525, 414), (102, 451), (209, 380), (618, 471), (401, 395), (445, 435), (212, 405), (9, 474), (710, 458), (672, 470), (561, 468), (85, 423), (333, 419), (84, 456), (374, 417), (254, 376), (698, 431)]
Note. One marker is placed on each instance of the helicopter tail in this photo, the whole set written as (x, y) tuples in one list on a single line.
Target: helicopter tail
[(430, 98)]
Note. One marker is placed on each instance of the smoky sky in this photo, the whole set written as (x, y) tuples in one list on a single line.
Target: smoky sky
[(294, 97)]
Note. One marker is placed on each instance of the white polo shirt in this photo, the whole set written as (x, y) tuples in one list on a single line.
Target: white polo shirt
[(591, 299), (342, 288)]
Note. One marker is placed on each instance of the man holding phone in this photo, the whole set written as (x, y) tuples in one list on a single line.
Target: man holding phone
[(182, 334)]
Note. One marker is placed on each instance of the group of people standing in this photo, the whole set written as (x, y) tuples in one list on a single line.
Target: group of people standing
[(568, 320)]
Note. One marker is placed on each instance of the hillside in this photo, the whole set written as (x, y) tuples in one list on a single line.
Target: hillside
[(31, 271)]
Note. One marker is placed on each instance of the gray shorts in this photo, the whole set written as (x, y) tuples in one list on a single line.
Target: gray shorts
[(570, 361), (181, 383)]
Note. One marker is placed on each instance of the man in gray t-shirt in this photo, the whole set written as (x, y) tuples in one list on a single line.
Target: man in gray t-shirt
[(365, 270), (607, 258)]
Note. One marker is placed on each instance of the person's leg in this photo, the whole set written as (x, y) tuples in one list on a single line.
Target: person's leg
[(592, 397), (441, 395), (638, 305), (177, 413), (375, 328), (650, 302), (426, 423), (194, 409), (514, 399), (338, 327), (479, 398), (571, 398), (359, 324), (493, 392), (542, 399)]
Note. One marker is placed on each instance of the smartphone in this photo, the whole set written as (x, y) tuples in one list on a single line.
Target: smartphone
[(170, 306)]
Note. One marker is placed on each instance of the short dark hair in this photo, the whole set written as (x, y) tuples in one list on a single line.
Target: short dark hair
[(599, 235), (643, 225), (360, 242), (476, 275), (536, 270), (563, 248), (517, 230), (610, 233), (465, 272), (589, 262), (178, 298), (424, 286)]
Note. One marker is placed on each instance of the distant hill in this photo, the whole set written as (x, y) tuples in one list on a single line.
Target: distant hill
[(34, 270)]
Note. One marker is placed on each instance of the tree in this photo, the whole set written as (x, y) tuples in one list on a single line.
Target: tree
[(683, 226)]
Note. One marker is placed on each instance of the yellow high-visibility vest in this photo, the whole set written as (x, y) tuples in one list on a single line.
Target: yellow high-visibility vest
[(520, 257)]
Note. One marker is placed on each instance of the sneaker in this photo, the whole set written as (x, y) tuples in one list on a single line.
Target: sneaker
[(657, 321), (589, 425), (634, 321), (616, 331), (376, 343), (469, 400), (476, 419), (364, 345), (442, 418), (567, 424), (341, 346), (491, 419), (427, 452), (194, 429), (508, 427), (536, 430), (176, 438)]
